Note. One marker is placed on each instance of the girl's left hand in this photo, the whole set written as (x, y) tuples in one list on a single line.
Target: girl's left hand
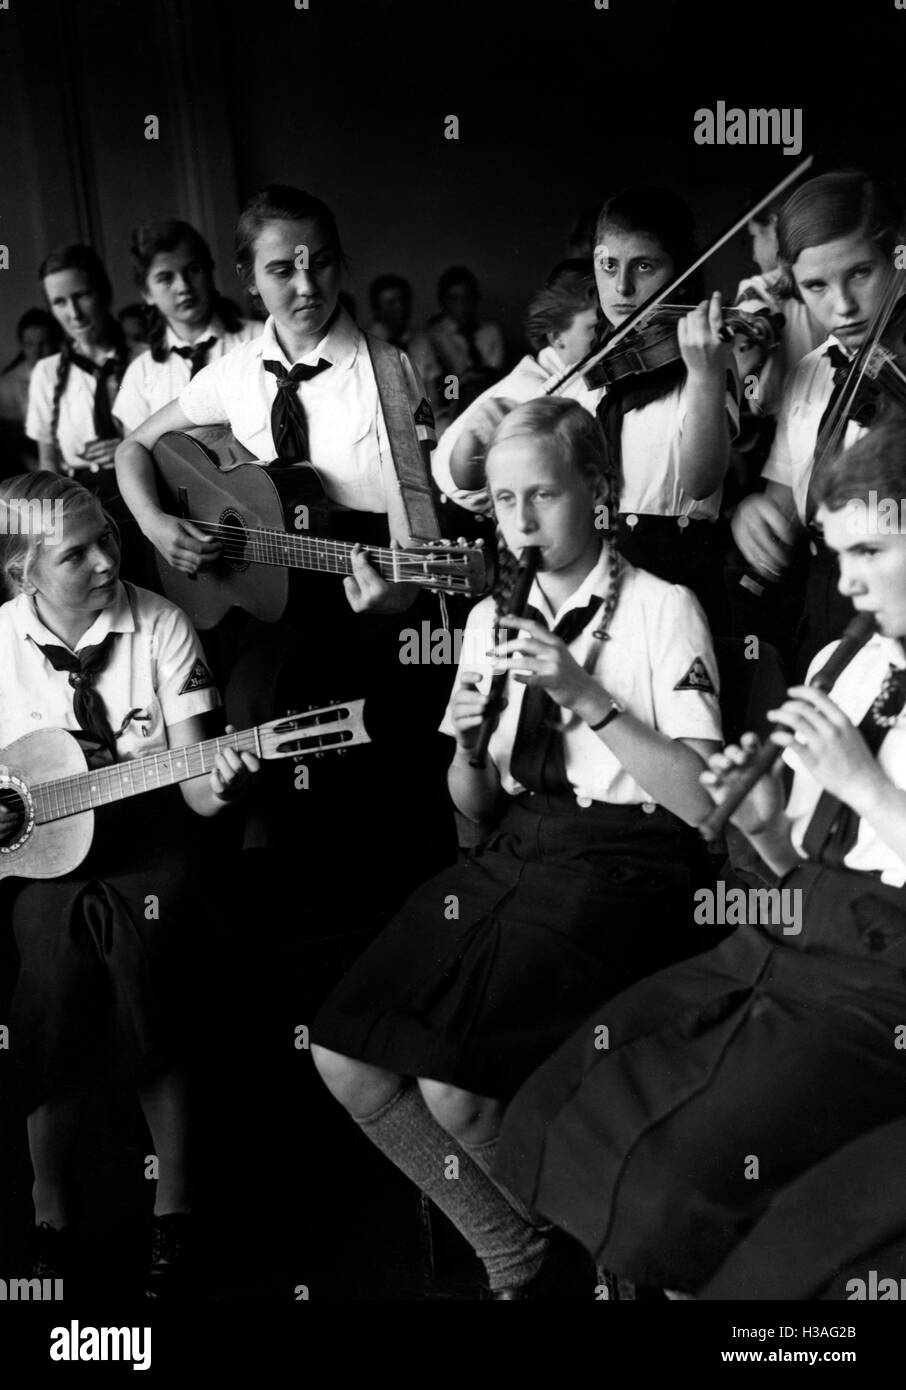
[(546, 659), (702, 349), (368, 592), (232, 772), (827, 744), (98, 453)]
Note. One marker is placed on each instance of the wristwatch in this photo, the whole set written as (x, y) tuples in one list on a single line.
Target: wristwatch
[(615, 709)]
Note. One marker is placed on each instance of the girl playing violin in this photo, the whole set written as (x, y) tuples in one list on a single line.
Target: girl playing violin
[(189, 323), (102, 985), (836, 236), (668, 432), (593, 769), (779, 1045)]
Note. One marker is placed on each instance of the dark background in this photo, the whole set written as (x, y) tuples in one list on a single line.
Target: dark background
[(560, 104)]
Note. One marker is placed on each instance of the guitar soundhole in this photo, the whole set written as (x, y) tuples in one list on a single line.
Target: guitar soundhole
[(234, 546), (15, 815)]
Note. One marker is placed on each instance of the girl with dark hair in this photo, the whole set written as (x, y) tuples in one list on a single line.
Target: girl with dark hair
[(836, 236), (189, 323), (103, 986), (305, 390), (592, 771), (71, 393), (667, 432), (560, 323), (729, 1077), (288, 256)]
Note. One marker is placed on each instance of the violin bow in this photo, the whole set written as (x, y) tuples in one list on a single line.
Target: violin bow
[(595, 355)]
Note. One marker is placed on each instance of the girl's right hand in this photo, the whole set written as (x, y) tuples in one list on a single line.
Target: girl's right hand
[(469, 454), (467, 711), (762, 809), (764, 534), (184, 546)]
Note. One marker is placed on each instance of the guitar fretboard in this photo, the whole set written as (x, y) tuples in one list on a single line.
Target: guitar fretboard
[(320, 553), (85, 791)]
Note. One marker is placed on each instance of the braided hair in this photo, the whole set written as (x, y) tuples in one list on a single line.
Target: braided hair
[(577, 438), (83, 258), (166, 234)]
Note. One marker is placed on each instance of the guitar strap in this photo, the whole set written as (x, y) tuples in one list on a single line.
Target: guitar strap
[(411, 513)]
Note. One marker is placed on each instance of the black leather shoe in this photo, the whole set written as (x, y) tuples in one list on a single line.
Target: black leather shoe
[(51, 1252), (169, 1273)]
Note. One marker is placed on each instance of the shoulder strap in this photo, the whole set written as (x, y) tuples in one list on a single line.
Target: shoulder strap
[(410, 500)]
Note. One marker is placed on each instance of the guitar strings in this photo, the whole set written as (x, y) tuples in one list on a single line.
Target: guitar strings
[(241, 545)]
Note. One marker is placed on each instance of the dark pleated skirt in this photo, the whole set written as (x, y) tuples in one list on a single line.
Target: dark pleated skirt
[(726, 1078), (107, 962), (489, 965)]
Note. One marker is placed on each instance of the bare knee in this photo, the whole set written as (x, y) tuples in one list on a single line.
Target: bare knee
[(358, 1086), (470, 1118)]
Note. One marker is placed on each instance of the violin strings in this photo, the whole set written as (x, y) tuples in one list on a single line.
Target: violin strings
[(839, 418)]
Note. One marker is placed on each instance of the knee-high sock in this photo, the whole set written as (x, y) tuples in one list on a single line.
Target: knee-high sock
[(483, 1155), (407, 1133)]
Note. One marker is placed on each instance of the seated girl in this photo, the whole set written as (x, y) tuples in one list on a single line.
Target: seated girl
[(593, 772), (103, 981), (729, 1076)]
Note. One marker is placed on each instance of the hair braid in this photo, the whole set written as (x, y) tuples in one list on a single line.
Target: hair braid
[(157, 333), (59, 387), (614, 581)]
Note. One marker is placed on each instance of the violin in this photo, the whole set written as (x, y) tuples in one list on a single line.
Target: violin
[(876, 380), (655, 344), (883, 371)]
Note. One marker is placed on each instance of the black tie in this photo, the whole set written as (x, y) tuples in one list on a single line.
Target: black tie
[(88, 706), (538, 761), (834, 827), (631, 393), (102, 414), (196, 354), (289, 423)]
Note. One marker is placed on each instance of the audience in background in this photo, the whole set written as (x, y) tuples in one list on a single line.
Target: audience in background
[(38, 336)]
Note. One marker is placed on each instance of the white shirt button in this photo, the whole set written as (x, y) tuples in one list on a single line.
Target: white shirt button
[(584, 800), (682, 522), (632, 520), (649, 807)]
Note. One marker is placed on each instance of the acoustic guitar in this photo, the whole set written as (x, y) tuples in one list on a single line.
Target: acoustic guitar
[(270, 519), (45, 780)]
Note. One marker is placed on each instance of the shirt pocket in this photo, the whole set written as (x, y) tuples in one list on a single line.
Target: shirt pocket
[(338, 429), (250, 421)]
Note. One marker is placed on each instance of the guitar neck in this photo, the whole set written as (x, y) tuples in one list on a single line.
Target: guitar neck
[(86, 791), (320, 553)]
